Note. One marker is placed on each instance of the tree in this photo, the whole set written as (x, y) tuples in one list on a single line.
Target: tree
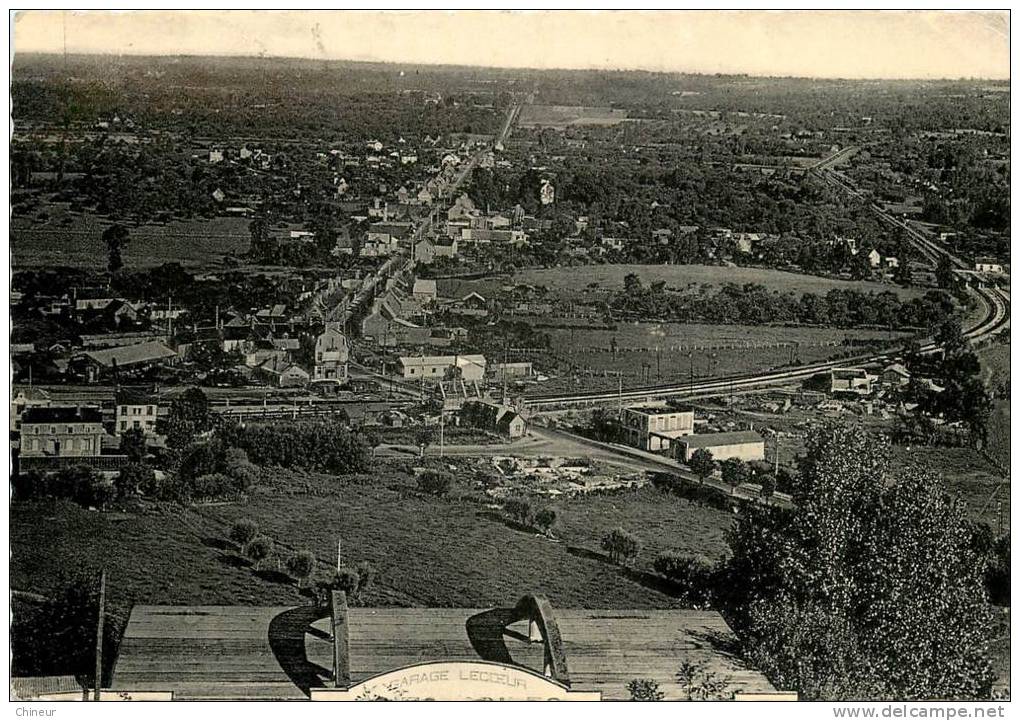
[(301, 565), (693, 576), (242, 532), (620, 545), (545, 519), (179, 432), (58, 635), (768, 486), (944, 273), (644, 689), (734, 472), (869, 587), (518, 510), (259, 549), (348, 580), (132, 445), (116, 238), (372, 439), (702, 464), (423, 437), (193, 407), (366, 575), (132, 478)]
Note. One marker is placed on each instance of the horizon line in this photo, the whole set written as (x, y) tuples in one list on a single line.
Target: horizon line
[(529, 68)]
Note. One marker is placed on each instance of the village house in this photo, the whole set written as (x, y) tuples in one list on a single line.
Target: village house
[(653, 428), (470, 367), (135, 409), (428, 250), (987, 265), (479, 235), (505, 371), (25, 398), (61, 431), (332, 353), (472, 305), (547, 193), (743, 445), (424, 291), (279, 372), (851, 380), (895, 375), (494, 417)]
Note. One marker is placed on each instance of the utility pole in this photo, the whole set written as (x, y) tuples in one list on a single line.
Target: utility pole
[(777, 457), (339, 561), (99, 635)]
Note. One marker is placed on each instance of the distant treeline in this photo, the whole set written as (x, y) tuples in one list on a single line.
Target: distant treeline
[(754, 304)]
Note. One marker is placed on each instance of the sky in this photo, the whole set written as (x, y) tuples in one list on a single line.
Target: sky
[(843, 44)]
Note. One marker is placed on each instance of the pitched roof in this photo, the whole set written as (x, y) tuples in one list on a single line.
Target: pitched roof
[(131, 354), (460, 360), (421, 285), (134, 397), (62, 414), (709, 440)]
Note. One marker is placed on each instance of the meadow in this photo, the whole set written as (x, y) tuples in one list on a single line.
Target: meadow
[(73, 239), (671, 352), (560, 116)]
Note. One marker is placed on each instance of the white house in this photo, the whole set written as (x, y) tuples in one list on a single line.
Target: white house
[(332, 353)]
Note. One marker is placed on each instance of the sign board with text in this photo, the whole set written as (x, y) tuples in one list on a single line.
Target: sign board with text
[(457, 681)]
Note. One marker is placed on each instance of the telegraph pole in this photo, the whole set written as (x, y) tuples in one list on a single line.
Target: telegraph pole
[(99, 635)]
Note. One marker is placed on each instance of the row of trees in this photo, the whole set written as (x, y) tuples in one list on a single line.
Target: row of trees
[(326, 445), (754, 304)]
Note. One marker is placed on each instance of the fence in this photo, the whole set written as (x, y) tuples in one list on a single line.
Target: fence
[(55, 463)]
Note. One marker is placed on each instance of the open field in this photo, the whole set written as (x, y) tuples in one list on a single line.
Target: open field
[(678, 276), (427, 551), (76, 240), (653, 352), (560, 116), (965, 474)]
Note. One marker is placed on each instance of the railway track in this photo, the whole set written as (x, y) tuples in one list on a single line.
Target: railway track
[(995, 318)]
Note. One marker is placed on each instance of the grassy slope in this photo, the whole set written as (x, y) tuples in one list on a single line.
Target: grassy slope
[(428, 552)]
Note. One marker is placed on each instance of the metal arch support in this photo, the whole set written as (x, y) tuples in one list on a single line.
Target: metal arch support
[(538, 610)]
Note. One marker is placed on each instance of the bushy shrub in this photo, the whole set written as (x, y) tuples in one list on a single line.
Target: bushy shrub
[(436, 483), (211, 485), (133, 478), (644, 689), (694, 577), (545, 519)]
